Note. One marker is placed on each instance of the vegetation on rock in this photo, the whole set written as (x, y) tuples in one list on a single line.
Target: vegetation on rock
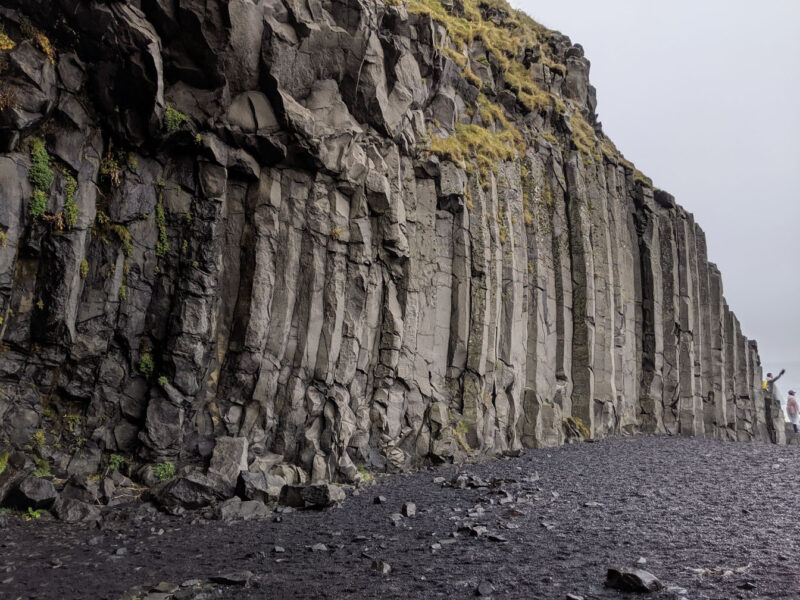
[(38, 204), (40, 173), (584, 136), (8, 98), (39, 438), (6, 43), (42, 468), (164, 471), (32, 514), (505, 34), (110, 169), (104, 229), (503, 43), (174, 119), (40, 38), (146, 365), (473, 147), (115, 462), (70, 207), (162, 245)]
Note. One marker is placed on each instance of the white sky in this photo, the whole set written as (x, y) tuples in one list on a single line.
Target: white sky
[(704, 96)]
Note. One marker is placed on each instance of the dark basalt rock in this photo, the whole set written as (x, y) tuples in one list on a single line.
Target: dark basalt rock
[(311, 496), (195, 490), (237, 509), (81, 488), (17, 466), (632, 580), (75, 511), (307, 230), (240, 578), (33, 492), (228, 461), (260, 486)]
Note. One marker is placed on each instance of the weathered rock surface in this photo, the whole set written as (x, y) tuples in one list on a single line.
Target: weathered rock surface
[(311, 496), (260, 486), (193, 491), (236, 509), (75, 511), (269, 231), (34, 492), (228, 461)]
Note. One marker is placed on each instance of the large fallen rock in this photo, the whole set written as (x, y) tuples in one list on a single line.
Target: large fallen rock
[(260, 486), (236, 509), (195, 490), (81, 488), (311, 496), (632, 580), (74, 511), (229, 459), (12, 471), (33, 492)]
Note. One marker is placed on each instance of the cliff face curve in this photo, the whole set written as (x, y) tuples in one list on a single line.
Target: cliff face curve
[(352, 232)]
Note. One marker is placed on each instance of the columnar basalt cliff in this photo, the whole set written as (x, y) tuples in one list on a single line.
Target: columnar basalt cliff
[(352, 233)]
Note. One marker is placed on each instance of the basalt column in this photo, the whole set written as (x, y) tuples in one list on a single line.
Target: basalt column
[(346, 234)]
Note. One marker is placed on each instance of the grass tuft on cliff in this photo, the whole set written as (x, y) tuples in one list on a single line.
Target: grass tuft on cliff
[(6, 43), (584, 137), (35, 35), (40, 173), (473, 145), (504, 35), (507, 35), (174, 119)]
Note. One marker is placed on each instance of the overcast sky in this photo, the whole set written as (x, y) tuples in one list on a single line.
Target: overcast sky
[(704, 96)]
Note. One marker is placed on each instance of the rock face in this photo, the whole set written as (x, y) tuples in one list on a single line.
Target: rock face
[(346, 233)]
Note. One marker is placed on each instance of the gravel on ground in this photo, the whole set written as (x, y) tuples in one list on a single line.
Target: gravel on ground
[(709, 519)]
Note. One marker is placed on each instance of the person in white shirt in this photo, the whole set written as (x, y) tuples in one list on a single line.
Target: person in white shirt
[(793, 410)]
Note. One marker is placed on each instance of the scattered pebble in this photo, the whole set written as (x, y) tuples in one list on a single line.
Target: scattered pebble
[(485, 588), (748, 585), (381, 567), (234, 578), (165, 586)]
